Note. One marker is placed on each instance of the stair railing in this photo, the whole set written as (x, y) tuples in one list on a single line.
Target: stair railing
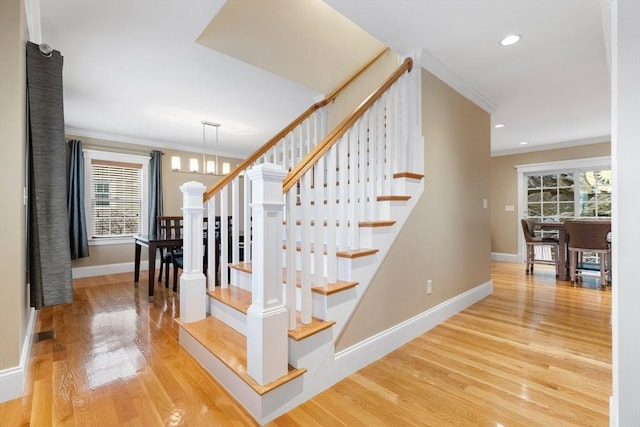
[(336, 186), (231, 196)]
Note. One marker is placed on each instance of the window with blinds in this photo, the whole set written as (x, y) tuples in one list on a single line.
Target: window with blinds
[(116, 198)]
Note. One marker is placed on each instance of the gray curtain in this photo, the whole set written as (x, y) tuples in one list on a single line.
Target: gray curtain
[(155, 191), (48, 228), (78, 241)]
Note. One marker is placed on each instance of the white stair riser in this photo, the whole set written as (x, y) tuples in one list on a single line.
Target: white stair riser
[(232, 317)]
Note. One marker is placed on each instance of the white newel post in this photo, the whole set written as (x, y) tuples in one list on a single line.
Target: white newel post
[(193, 293), (267, 354)]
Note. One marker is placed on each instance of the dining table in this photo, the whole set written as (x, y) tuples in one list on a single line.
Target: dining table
[(153, 242)]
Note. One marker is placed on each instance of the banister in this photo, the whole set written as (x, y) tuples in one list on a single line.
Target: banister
[(210, 192), (321, 149)]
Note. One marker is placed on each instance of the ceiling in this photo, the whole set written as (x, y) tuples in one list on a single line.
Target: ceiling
[(146, 72)]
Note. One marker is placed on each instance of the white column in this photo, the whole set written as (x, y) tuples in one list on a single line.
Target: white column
[(267, 354), (193, 296)]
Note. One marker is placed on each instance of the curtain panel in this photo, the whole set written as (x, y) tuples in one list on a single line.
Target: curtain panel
[(155, 191), (78, 240), (48, 227)]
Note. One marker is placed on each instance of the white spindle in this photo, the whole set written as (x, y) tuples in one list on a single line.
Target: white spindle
[(290, 300), (388, 142), (343, 191), (211, 244), (306, 297), (235, 218), (380, 177), (224, 237), (318, 215), (331, 208), (362, 167), (247, 219), (354, 232)]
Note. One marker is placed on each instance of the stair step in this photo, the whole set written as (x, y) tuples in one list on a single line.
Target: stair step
[(230, 347), (384, 223), (393, 198), (411, 175), (358, 253), (240, 300), (328, 289)]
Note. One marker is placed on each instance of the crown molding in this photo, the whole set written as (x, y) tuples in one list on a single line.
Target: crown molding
[(437, 68), (553, 146)]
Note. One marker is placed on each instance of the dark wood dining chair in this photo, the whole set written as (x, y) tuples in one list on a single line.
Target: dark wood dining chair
[(176, 256), (533, 241), (585, 236), (169, 226)]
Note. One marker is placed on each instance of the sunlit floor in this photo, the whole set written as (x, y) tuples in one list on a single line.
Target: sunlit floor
[(536, 352)]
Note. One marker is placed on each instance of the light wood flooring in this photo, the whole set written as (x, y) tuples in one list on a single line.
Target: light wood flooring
[(535, 353)]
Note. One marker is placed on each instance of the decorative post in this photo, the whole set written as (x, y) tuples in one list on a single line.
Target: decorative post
[(193, 294), (267, 353)]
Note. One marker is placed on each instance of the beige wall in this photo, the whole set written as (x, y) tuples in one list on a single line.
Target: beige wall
[(172, 197), (504, 189), (14, 301), (360, 89), (446, 238)]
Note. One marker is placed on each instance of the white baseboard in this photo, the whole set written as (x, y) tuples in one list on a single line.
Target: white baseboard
[(356, 357), (613, 412), (497, 256), (12, 379), (101, 270)]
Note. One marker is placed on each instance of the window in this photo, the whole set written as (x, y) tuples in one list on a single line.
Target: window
[(116, 204), (559, 196)]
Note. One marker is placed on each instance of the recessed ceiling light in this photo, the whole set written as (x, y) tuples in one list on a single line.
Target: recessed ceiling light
[(499, 125), (524, 143), (510, 39)]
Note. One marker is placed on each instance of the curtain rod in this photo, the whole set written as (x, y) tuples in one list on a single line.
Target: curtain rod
[(122, 150)]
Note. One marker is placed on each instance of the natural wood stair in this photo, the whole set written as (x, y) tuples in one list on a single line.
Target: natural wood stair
[(357, 253), (393, 198), (411, 175), (240, 299), (230, 347), (328, 289), (379, 223)]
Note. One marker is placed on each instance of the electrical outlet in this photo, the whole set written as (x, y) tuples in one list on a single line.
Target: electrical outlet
[(429, 287)]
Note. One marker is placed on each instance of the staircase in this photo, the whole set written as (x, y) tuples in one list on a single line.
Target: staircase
[(320, 212)]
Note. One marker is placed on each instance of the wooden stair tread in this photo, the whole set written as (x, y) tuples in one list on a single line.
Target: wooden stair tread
[(233, 296), (393, 198), (303, 331), (411, 175), (379, 223), (240, 299), (357, 253), (230, 347), (328, 289)]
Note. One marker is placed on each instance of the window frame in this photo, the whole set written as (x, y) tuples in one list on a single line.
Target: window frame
[(115, 157), (593, 163)]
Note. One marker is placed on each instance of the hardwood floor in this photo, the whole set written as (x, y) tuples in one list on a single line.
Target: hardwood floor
[(536, 352)]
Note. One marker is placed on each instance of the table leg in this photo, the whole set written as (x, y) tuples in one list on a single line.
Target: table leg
[(136, 267), (562, 255), (152, 270)]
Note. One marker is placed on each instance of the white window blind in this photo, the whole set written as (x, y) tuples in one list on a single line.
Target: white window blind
[(116, 198)]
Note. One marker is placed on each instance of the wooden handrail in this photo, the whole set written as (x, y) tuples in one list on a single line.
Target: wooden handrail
[(210, 192), (321, 149)]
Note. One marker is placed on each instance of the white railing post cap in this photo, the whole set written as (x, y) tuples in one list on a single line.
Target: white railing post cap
[(193, 187), (267, 171)]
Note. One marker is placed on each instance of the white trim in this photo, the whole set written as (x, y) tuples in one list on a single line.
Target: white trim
[(588, 162), (553, 146), (101, 270), (502, 257), (368, 351), (12, 379), (437, 68)]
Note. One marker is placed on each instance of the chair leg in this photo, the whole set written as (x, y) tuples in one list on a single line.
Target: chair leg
[(166, 274), (572, 265), (603, 271), (175, 278), (161, 265)]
